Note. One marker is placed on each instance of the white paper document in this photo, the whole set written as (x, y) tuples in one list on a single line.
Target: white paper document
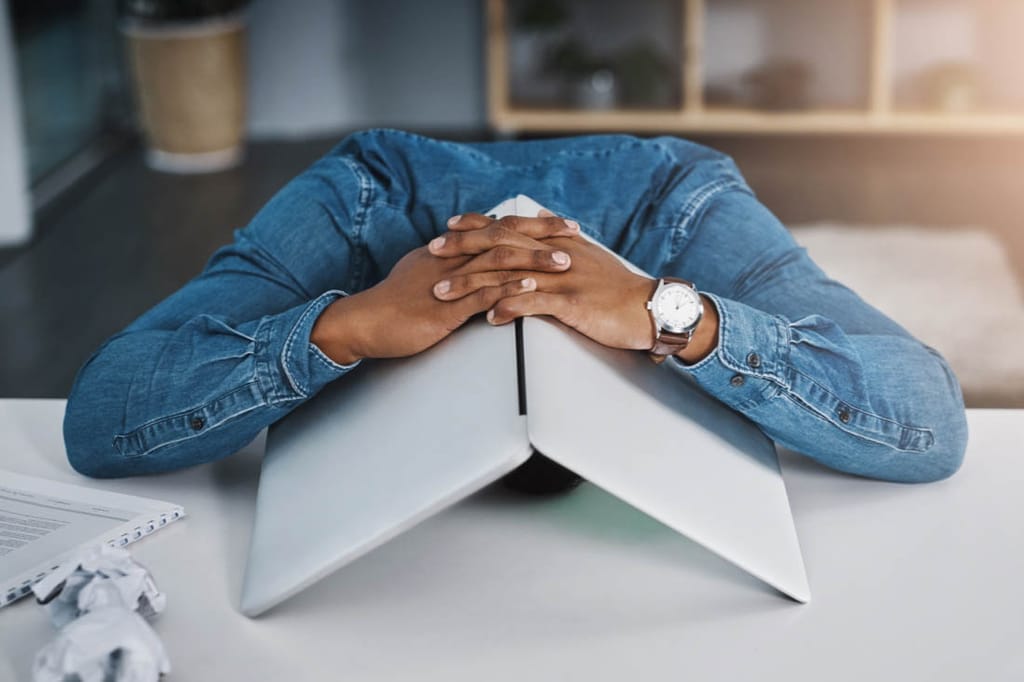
[(43, 522)]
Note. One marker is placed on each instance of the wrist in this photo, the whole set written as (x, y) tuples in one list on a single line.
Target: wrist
[(705, 337), (641, 324), (336, 331)]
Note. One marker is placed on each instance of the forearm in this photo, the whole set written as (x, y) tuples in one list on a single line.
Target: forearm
[(152, 400), (880, 405)]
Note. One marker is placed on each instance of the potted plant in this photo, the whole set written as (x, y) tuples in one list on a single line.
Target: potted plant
[(538, 26), (951, 87), (187, 60), (588, 80), (781, 85)]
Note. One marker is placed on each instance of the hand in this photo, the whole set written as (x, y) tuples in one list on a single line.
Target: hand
[(502, 250), (401, 315), (599, 297)]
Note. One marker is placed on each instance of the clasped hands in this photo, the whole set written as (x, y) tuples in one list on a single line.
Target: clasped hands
[(508, 268)]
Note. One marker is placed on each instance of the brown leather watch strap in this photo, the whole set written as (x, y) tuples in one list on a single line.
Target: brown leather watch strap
[(668, 343)]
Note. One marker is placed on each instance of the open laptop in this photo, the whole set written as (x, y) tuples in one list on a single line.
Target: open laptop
[(394, 442)]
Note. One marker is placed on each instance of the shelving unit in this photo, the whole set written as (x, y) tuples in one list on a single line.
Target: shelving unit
[(882, 111)]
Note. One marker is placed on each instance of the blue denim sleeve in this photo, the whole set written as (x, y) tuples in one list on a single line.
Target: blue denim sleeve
[(821, 371), (242, 377), (203, 372)]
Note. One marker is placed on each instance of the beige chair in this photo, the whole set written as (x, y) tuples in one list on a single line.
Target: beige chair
[(953, 289)]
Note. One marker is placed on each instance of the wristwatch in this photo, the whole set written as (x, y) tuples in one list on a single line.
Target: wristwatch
[(676, 309)]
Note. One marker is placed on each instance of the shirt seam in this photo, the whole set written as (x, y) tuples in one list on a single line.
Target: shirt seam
[(327, 361), (847, 403), (136, 432), (698, 199), (359, 221), (827, 416)]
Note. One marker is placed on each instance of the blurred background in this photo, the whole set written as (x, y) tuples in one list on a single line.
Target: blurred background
[(134, 137)]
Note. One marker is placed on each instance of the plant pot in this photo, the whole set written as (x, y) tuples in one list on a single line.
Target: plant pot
[(528, 82), (190, 88)]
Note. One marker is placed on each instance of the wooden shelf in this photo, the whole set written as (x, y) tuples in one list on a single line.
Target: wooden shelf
[(738, 121), (695, 116)]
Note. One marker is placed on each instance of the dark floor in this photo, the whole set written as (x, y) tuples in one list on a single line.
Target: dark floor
[(132, 236), (103, 259)]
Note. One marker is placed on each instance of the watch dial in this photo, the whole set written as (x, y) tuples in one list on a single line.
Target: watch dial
[(677, 307)]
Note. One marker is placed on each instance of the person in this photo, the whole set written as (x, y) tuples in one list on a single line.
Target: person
[(379, 250)]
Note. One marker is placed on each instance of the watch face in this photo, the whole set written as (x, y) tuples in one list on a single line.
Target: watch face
[(677, 308)]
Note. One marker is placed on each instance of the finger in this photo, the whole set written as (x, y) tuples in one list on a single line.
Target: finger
[(538, 228), (470, 221), (529, 303), (512, 258), (457, 286), (485, 298), (507, 231), (474, 221), (474, 242)]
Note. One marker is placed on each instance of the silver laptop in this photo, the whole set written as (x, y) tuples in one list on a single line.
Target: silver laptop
[(378, 451)]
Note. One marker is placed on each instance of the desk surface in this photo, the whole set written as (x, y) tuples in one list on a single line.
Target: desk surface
[(909, 582)]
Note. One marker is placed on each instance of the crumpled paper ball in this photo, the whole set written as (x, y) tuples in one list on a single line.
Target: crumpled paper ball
[(109, 644), (100, 576), (98, 599)]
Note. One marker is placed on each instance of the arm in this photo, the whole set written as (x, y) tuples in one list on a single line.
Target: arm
[(817, 368), (506, 263), (820, 370), (200, 374), (266, 326)]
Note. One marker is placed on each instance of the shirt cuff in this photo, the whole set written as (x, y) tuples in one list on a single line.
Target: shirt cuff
[(748, 366), (289, 365)]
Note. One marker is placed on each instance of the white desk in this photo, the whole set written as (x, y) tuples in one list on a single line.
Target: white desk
[(909, 582)]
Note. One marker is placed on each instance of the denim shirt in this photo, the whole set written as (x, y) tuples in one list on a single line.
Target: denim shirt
[(818, 369)]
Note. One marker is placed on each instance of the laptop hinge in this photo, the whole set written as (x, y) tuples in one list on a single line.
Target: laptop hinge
[(520, 366)]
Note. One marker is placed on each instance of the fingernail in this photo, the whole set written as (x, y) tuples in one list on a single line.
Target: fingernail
[(490, 316), (442, 287), (437, 244), (454, 219), (560, 257), (572, 225), (528, 283)]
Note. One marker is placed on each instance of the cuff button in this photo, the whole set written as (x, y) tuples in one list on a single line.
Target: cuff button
[(197, 423), (737, 380), (754, 360), (844, 415)]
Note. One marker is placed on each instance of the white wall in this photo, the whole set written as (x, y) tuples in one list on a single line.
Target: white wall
[(319, 66), (328, 65), (15, 222), (831, 38), (983, 33)]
